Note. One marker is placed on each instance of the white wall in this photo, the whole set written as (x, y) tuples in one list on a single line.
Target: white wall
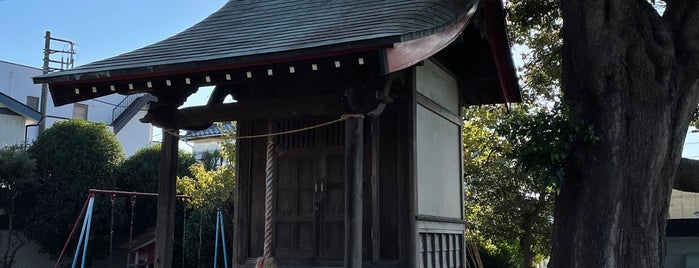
[(198, 148), (96, 111), (438, 177), (438, 85), (11, 130), (438, 140), (16, 82), (683, 205), (135, 135)]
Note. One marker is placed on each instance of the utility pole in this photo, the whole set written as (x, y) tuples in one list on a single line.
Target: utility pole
[(45, 86), (66, 63)]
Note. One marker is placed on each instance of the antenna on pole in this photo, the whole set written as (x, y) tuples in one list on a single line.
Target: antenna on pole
[(51, 64)]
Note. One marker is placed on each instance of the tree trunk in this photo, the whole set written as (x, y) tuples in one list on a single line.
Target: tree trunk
[(525, 243), (526, 240), (630, 78)]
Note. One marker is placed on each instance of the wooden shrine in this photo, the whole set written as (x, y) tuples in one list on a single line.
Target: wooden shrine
[(381, 188)]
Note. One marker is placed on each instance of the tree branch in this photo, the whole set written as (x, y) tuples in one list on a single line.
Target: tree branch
[(683, 17), (687, 179)]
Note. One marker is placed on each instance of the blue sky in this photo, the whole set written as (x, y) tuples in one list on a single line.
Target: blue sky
[(100, 28), (104, 29)]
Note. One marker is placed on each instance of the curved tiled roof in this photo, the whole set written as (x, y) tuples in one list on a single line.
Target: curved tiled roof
[(215, 130), (250, 30)]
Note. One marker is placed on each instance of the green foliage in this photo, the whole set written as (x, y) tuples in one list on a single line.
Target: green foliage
[(500, 256), (140, 173), (71, 157), (211, 188), (535, 27), (16, 171), (207, 188), (541, 143), (509, 197), (695, 119), (515, 160), (211, 159), (16, 177), (200, 237)]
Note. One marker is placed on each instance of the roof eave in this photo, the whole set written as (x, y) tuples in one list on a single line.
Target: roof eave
[(502, 51), (77, 77), (19, 107)]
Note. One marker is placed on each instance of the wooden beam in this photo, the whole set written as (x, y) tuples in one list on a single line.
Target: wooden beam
[(354, 142), (165, 225), (201, 117), (438, 109), (375, 190), (411, 139)]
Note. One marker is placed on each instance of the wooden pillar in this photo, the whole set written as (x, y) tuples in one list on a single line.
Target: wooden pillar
[(165, 225), (354, 142)]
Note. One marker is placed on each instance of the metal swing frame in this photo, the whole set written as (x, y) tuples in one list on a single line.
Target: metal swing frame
[(87, 222)]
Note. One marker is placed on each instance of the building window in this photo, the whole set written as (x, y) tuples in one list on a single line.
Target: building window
[(80, 111), (33, 102)]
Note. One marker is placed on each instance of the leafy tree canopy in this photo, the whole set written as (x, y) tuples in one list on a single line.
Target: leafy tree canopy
[(71, 157), (211, 188), (628, 74), (512, 164), (16, 170), (16, 177), (140, 171)]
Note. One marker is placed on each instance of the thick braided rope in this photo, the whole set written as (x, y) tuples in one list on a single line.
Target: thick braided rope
[(269, 195)]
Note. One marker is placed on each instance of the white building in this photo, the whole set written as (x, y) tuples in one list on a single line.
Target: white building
[(207, 140), (20, 101)]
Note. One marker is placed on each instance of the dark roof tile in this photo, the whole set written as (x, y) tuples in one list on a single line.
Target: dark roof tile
[(244, 28), (213, 131)]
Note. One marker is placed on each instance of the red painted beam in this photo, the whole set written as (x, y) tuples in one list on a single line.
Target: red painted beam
[(406, 54), (500, 49)]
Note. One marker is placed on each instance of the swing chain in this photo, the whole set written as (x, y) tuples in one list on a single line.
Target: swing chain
[(133, 204), (184, 228), (111, 231)]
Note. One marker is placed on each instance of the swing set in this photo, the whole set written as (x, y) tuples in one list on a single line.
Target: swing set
[(87, 211)]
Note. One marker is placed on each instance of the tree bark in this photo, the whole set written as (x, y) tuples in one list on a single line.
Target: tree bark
[(630, 77), (525, 241)]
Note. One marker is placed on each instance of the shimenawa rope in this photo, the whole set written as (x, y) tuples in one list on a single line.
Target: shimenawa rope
[(342, 118)]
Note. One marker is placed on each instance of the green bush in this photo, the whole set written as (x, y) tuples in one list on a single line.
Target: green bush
[(139, 173), (71, 157)]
